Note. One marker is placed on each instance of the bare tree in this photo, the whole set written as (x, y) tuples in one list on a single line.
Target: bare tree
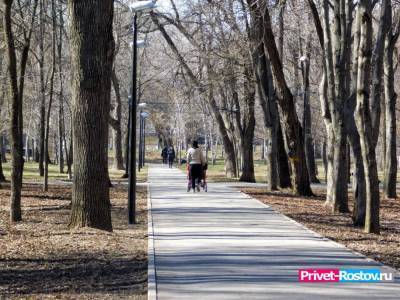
[(16, 96)]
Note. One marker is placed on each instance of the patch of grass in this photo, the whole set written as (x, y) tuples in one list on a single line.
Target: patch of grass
[(31, 173)]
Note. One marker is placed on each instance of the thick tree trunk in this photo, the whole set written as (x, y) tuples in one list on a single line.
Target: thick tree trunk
[(292, 129), (308, 140), (266, 94), (283, 161), (390, 171), (333, 94), (358, 183), (246, 126), (377, 70), (246, 145), (364, 119), (92, 49)]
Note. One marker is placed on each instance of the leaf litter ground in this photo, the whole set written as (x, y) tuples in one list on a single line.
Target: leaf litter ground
[(41, 258)]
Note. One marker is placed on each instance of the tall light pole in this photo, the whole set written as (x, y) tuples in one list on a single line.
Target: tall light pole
[(143, 116), (139, 44), (135, 8), (141, 106)]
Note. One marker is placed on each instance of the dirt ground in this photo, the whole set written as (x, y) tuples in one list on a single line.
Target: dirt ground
[(41, 258), (312, 213)]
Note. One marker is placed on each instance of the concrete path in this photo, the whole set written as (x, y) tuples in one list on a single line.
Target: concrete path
[(226, 245)]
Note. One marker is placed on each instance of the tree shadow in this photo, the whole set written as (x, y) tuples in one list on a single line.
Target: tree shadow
[(82, 273)]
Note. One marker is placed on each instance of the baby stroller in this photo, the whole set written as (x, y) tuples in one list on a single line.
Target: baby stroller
[(202, 181)]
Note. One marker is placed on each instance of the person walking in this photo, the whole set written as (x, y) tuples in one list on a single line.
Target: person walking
[(164, 155), (195, 161), (171, 156)]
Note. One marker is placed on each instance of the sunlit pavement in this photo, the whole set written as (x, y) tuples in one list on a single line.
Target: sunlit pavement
[(225, 245)]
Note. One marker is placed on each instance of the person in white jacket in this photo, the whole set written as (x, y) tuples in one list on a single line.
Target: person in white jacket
[(196, 161)]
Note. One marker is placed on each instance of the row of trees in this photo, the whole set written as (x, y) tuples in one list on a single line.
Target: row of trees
[(229, 70)]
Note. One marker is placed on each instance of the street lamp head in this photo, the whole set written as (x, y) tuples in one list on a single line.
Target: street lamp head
[(142, 6)]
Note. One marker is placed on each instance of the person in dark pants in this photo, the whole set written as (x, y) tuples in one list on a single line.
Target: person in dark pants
[(164, 155), (171, 156), (196, 161)]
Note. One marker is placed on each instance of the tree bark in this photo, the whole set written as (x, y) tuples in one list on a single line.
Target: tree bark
[(61, 128), (42, 120), (292, 128), (92, 49), (364, 119), (390, 169), (267, 102), (116, 125), (358, 214), (308, 140), (15, 94), (247, 125), (51, 94), (3, 149), (377, 70)]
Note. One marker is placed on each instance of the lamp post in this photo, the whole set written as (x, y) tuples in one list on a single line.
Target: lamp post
[(135, 8), (141, 106), (143, 116), (139, 44)]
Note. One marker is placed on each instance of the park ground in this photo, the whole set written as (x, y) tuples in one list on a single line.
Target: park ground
[(41, 258)]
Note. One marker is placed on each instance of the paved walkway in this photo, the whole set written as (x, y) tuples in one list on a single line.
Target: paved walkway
[(226, 245)]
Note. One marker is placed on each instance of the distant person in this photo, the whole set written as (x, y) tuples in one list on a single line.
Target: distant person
[(171, 156), (195, 161), (164, 155)]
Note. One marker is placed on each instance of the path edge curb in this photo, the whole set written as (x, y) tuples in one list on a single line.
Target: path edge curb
[(151, 267)]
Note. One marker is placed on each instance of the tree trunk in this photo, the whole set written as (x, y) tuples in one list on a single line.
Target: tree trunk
[(61, 128), (364, 119), (3, 149), (2, 177), (246, 145), (308, 140), (324, 159), (2, 154), (69, 154), (377, 70), (16, 102), (92, 49), (117, 131), (246, 125), (390, 171), (53, 70), (292, 128), (42, 120), (283, 161)]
